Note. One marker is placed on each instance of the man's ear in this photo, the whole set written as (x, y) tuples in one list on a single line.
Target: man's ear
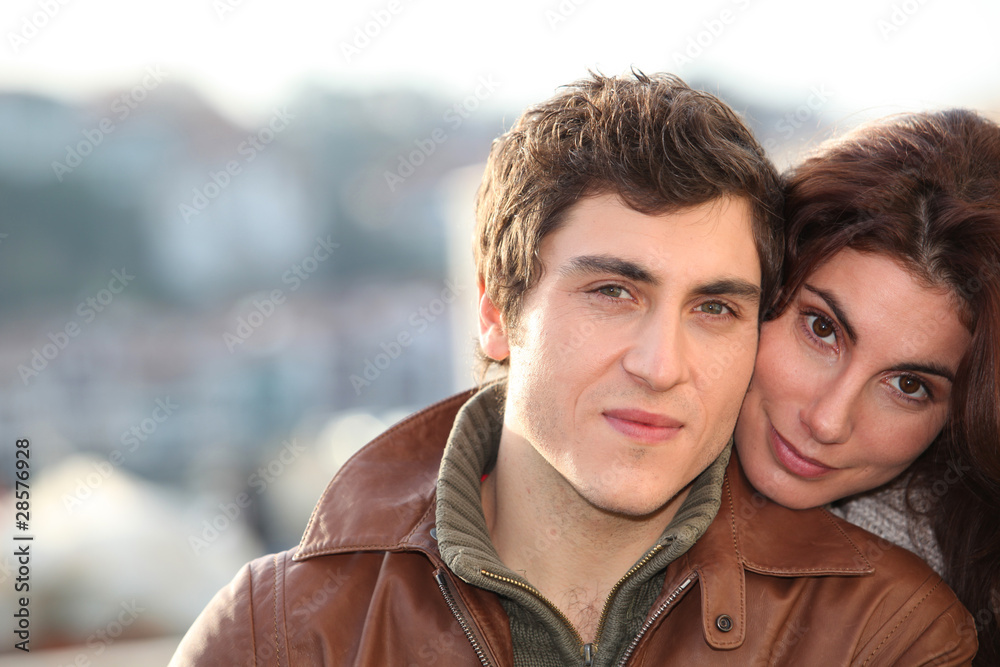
[(492, 334)]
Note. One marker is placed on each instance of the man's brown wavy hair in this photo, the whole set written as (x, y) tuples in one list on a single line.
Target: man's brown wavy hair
[(658, 144)]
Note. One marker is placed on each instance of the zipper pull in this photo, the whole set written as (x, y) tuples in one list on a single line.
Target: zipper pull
[(588, 655)]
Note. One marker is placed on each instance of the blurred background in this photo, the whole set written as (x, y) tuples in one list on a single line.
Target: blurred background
[(235, 245)]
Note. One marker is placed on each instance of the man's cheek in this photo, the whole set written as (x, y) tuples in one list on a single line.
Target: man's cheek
[(728, 367)]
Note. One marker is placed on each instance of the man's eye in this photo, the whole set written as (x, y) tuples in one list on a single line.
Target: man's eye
[(614, 291), (714, 308), (822, 328)]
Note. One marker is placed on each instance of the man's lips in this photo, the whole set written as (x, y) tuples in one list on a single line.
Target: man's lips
[(643, 426), (794, 461)]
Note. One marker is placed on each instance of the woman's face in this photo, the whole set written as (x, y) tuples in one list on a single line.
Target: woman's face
[(852, 382)]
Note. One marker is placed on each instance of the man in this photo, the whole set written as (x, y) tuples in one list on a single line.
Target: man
[(584, 510)]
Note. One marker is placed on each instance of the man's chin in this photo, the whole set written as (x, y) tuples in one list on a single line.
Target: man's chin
[(633, 507)]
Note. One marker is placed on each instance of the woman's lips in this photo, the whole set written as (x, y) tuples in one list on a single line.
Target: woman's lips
[(643, 426), (794, 461)]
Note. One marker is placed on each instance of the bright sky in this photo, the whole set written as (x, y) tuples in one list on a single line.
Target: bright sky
[(867, 56)]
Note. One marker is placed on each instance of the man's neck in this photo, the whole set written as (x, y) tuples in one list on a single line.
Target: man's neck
[(571, 551)]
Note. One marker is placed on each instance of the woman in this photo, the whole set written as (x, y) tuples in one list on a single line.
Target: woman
[(881, 360)]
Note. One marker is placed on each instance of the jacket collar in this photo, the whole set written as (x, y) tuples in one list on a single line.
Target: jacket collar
[(752, 533), (383, 499)]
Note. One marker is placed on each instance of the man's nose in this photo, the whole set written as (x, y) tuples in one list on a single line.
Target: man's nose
[(659, 357)]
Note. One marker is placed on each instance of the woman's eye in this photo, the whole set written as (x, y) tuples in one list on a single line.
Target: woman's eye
[(909, 386), (822, 328), (713, 308)]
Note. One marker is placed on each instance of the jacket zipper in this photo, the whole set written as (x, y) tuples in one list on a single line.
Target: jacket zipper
[(442, 582), (614, 589), (663, 608), (587, 650)]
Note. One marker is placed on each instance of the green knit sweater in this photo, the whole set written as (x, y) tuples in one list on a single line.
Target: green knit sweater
[(541, 636)]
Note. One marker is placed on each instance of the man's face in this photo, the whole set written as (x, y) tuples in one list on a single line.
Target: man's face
[(633, 352)]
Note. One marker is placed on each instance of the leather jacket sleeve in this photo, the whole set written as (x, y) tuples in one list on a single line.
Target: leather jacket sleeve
[(223, 634)]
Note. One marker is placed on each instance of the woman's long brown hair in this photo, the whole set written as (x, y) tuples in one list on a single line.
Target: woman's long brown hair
[(924, 189)]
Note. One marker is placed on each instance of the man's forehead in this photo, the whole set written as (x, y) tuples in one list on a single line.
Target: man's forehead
[(602, 235)]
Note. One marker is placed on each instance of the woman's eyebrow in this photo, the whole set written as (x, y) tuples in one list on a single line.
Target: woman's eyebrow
[(929, 368), (838, 310)]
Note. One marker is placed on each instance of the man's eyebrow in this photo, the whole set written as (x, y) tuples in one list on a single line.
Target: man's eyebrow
[(597, 264), (838, 310), (732, 287)]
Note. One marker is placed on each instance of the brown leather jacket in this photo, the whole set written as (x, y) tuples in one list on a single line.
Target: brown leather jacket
[(763, 586)]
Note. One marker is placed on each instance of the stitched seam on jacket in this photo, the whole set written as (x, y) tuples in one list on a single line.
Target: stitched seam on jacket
[(732, 519), (428, 412), (833, 522), (279, 595), (277, 645), (828, 570), (743, 610), (419, 523), (708, 607), (253, 630), (901, 621)]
